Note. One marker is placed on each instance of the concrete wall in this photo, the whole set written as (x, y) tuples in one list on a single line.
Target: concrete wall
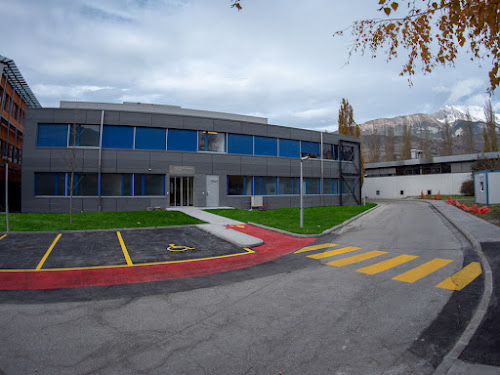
[(392, 186)]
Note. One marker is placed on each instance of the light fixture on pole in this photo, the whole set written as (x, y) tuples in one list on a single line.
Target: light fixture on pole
[(302, 192)]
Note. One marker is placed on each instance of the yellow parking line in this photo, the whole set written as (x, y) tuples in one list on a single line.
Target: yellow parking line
[(356, 258), (1, 238), (462, 278), (124, 249), (248, 251), (383, 266), (40, 265), (327, 254), (315, 247), (423, 270)]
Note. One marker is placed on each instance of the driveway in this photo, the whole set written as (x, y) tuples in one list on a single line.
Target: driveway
[(347, 311)]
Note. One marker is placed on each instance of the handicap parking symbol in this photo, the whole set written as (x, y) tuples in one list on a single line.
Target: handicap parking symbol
[(174, 247)]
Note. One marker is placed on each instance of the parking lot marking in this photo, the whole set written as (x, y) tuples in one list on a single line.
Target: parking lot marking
[(124, 249), (423, 270), (247, 251), (327, 254), (388, 264), (40, 265), (315, 247), (462, 278), (1, 238), (356, 258)]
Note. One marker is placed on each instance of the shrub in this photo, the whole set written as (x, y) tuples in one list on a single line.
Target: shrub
[(467, 188)]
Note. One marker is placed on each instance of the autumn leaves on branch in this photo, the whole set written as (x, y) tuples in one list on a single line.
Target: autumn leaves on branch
[(432, 32)]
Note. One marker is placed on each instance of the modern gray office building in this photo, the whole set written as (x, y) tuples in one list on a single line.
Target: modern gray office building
[(133, 156)]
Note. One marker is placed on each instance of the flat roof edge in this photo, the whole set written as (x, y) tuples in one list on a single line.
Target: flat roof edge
[(161, 109)]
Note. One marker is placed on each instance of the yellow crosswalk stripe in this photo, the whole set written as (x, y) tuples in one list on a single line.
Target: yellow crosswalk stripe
[(423, 270), (327, 254), (315, 247), (383, 266), (462, 278), (356, 258)]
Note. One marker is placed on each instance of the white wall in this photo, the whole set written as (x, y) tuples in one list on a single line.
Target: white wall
[(391, 186), (494, 187)]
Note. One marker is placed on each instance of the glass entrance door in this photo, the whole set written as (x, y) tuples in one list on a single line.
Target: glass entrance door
[(181, 191)]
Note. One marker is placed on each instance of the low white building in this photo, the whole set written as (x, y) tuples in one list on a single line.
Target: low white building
[(407, 178)]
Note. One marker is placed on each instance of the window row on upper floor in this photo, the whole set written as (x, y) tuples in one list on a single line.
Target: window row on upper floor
[(144, 138)]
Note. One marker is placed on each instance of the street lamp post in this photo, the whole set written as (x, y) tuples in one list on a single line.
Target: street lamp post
[(302, 192)]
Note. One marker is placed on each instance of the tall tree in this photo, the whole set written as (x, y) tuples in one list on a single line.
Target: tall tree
[(446, 139), (468, 137), (489, 132), (348, 126), (373, 143), (432, 32), (426, 144), (406, 146), (389, 144)]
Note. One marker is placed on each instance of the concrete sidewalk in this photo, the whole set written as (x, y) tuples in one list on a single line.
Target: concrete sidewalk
[(219, 226), (473, 344)]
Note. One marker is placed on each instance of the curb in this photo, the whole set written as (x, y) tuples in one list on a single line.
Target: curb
[(452, 356), (98, 230), (326, 231)]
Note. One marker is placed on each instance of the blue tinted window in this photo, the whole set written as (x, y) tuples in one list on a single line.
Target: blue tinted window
[(52, 135), (266, 146), (310, 149), (240, 144), (117, 137), (289, 148), (150, 139), (181, 140)]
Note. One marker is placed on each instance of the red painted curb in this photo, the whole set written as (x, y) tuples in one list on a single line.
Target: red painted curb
[(275, 245)]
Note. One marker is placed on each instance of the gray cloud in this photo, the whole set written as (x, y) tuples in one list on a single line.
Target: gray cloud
[(272, 59)]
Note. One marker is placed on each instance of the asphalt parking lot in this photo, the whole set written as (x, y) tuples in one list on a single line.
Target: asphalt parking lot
[(70, 250)]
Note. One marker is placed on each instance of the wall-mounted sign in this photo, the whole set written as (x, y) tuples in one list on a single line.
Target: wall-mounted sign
[(181, 170)]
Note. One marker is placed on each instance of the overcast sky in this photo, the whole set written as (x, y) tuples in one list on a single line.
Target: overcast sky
[(275, 59)]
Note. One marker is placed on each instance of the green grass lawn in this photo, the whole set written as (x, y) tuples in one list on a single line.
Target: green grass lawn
[(316, 219), (95, 220)]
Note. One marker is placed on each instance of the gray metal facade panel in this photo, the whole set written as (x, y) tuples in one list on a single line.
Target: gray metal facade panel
[(70, 116), (202, 162), (166, 121), (227, 126), (226, 165), (132, 161), (111, 118), (254, 166), (302, 135), (93, 117), (91, 160), (132, 204), (196, 123), (109, 204), (278, 167), (135, 119), (40, 115), (62, 160), (108, 160), (279, 132), (254, 129)]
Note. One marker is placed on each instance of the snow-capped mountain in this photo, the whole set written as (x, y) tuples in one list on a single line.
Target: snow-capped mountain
[(455, 115)]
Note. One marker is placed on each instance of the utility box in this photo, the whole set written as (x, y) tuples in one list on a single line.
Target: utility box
[(257, 201), (487, 187)]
